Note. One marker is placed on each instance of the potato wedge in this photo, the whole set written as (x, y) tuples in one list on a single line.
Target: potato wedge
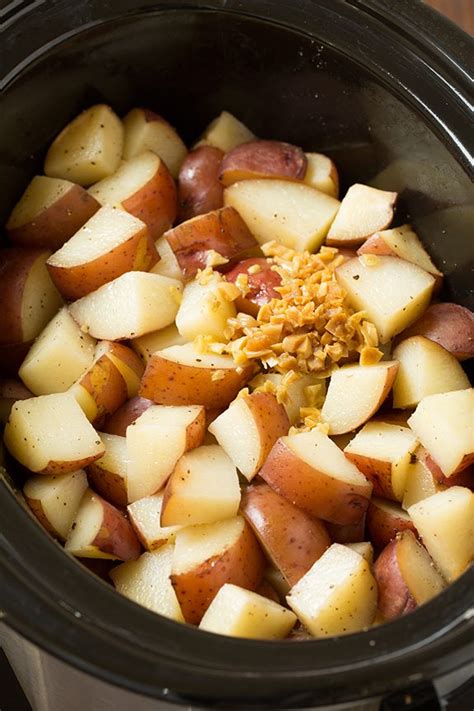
[(391, 291), (421, 482), (111, 243), (147, 131), (88, 149), (406, 576), (208, 556), (294, 214), (168, 265), (143, 187), (310, 470), (363, 548), (199, 187), (148, 344), (321, 174), (237, 612), (11, 390), (108, 475), (58, 357), (260, 420), (205, 308), (364, 210), (355, 393), (347, 533), (294, 393), (291, 539), (449, 325), (55, 500), (263, 159), (145, 517), (131, 305), (338, 595), (223, 231), (117, 423), (100, 530), (384, 520), (225, 132), (146, 581), (259, 280), (181, 375), (49, 212), (51, 435)]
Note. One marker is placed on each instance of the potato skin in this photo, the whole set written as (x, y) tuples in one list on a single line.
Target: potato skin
[(52, 227), (156, 203), (223, 231), (449, 325), (74, 282), (118, 421), (351, 533), (263, 159), (378, 472), (261, 284), (465, 477), (104, 382), (116, 535), (394, 596), (167, 382), (292, 539), (199, 188), (383, 526), (108, 484), (314, 491), (242, 564)]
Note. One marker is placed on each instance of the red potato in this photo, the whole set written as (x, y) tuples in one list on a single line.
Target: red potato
[(51, 435), (241, 613), (263, 159), (49, 212), (421, 482), (117, 423), (207, 557), (402, 242), (58, 357), (462, 478), (11, 390), (145, 516), (225, 132), (102, 389), (337, 595), (310, 470), (55, 500), (148, 344), (206, 306), (291, 539), (260, 420), (131, 305), (100, 530), (168, 265), (350, 533), (364, 210), (391, 291), (443, 425), (199, 188), (266, 589), (363, 548), (445, 523), (146, 581), (260, 280), (355, 393), (203, 488), (384, 454), (88, 149), (147, 131), (155, 443), (406, 576), (28, 296), (111, 243), (128, 364), (291, 391), (384, 520), (291, 213), (321, 174), (424, 368), (143, 187), (449, 325), (108, 475), (181, 375), (222, 231)]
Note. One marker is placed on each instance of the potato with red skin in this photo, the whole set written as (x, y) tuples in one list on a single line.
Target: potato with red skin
[(406, 576), (350, 533), (49, 212), (118, 421), (237, 559), (292, 539), (199, 188), (263, 159), (310, 470), (463, 478), (261, 284), (221, 231), (11, 390), (384, 520), (449, 325), (101, 531)]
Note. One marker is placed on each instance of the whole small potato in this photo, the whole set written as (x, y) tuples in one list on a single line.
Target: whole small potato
[(199, 188), (263, 159)]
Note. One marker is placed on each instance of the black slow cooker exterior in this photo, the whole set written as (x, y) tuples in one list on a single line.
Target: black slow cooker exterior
[(383, 86)]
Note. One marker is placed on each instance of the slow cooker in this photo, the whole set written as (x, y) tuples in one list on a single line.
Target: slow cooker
[(384, 88)]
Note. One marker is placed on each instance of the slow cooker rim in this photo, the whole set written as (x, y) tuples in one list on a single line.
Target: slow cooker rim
[(13, 617)]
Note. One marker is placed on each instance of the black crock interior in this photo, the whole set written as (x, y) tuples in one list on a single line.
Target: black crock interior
[(357, 79)]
